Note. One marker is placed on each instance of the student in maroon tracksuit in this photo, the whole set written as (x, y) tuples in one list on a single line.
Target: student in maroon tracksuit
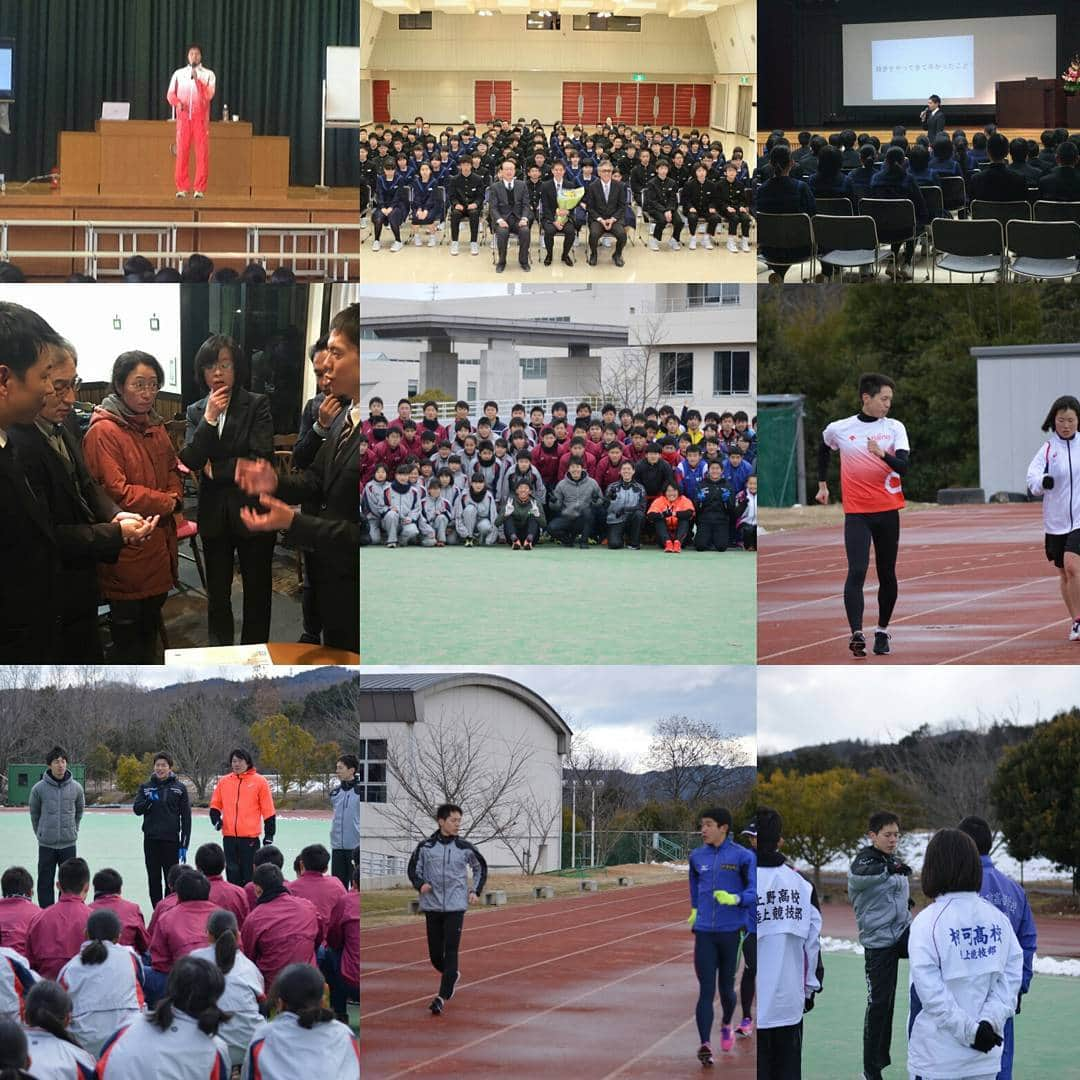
[(315, 885), (210, 860), (56, 933), (282, 929), (268, 853), (545, 457), (17, 908), (107, 887), (181, 930)]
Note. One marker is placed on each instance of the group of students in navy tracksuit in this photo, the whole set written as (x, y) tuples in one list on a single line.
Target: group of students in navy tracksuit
[(225, 978), (613, 478), (412, 173)]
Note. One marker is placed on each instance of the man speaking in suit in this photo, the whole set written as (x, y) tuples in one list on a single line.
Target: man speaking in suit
[(933, 119), (333, 529), (607, 213), (89, 527), (508, 205), (191, 90)]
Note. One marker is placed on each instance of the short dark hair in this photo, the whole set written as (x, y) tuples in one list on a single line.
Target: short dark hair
[(269, 854), (73, 875), (720, 814), (979, 831), (935, 99), (240, 752), (1067, 153), (127, 362), (316, 858), (16, 881), (951, 864), (210, 859), (192, 884), (881, 818), (780, 157), (770, 827), (268, 876), (446, 810), (253, 274), (347, 323), (350, 761), (162, 756), (871, 383), (197, 270), (1063, 403), (54, 753), (24, 334), (108, 880), (208, 355), (997, 146)]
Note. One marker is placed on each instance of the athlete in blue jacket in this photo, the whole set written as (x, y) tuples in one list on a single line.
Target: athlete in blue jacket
[(722, 890)]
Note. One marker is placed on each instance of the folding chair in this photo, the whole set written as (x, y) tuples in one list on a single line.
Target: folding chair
[(1045, 210), (1043, 249), (833, 206), (846, 242), (967, 247), (894, 220), (953, 193), (783, 235), (1003, 212)]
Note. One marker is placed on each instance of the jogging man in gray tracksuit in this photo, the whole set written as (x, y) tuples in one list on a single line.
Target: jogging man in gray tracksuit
[(439, 870), (879, 891), (57, 803)]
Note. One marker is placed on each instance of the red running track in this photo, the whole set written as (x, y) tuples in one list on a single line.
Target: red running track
[(974, 587), (594, 987)]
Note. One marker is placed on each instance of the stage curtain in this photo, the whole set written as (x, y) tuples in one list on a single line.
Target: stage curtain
[(268, 55)]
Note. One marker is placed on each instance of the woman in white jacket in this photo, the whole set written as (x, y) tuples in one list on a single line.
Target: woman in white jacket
[(1054, 473), (966, 968)]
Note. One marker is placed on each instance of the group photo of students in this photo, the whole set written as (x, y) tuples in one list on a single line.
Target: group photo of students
[(171, 488), (608, 477)]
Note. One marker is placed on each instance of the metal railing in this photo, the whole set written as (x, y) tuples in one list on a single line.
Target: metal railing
[(373, 864)]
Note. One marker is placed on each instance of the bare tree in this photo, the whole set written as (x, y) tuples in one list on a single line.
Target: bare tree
[(336, 714), (538, 817), (633, 379), (460, 760), (590, 767), (692, 758), (198, 732), (18, 686)]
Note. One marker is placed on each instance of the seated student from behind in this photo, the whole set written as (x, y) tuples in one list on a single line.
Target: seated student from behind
[(996, 182), (781, 194), (1062, 184)]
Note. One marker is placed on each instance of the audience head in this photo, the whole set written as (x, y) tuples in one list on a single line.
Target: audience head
[(979, 831), (997, 146), (223, 932), (829, 162), (253, 274), (73, 877), (14, 1051), (194, 987), (1018, 151), (268, 855), (951, 864), (894, 158), (1067, 154), (780, 159), (197, 270), (191, 885), (210, 858), (138, 269), (49, 1007), (299, 990), (27, 355), (108, 882), (16, 881), (226, 276)]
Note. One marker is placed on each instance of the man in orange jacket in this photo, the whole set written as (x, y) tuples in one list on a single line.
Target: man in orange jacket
[(240, 806)]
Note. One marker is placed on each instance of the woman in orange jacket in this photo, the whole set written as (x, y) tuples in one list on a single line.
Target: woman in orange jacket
[(128, 451), (671, 515), (241, 808)]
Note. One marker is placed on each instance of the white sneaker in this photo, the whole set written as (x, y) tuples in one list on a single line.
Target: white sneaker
[(396, 245), (474, 249), (693, 243), (181, 194), (744, 244), (418, 240), (674, 244), (708, 243), (1074, 633), (731, 244), (432, 240), (200, 194), (453, 247), (376, 245), (654, 244)]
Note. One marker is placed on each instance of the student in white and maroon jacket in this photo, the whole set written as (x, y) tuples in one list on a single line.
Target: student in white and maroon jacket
[(182, 1030), (55, 1054), (302, 1032)]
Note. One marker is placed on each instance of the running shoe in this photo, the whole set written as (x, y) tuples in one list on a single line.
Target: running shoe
[(676, 546), (1074, 633), (746, 1028), (857, 645), (727, 1039), (881, 643), (436, 1005), (704, 1054), (668, 545), (516, 546), (457, 978)]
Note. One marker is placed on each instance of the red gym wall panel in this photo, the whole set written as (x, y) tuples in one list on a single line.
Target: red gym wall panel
[(628, 103), (656, 104), (590, 103), (571, 103), (609, 100), (380, 101), (492, 99)]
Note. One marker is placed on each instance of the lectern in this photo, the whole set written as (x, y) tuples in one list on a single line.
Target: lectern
[(1030, 103)]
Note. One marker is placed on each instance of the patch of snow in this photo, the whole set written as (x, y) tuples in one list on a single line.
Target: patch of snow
[(840, 945)]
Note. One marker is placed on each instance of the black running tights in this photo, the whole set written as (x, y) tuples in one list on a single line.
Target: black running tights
[(881, 529)]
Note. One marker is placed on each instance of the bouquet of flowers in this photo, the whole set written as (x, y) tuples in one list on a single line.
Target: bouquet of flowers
[(568, 199), (1070, 77)]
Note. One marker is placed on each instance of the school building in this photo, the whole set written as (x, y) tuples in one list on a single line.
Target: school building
[(416, 728), (634, 345)]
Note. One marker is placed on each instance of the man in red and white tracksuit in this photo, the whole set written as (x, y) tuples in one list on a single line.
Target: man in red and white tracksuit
[(191, 90)]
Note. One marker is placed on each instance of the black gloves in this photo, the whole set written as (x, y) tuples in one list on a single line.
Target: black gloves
[(269, 828), (1048, 482), (1019, 996), (215, 819), (808, 1004), (899, 868), (986, 1038)]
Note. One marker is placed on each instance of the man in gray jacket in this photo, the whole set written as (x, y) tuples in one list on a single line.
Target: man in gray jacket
[(439, 870), (345, 828), (878, 888), (574, 501), (56, 808)]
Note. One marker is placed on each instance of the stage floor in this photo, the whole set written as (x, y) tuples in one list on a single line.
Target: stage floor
[(295, 198)]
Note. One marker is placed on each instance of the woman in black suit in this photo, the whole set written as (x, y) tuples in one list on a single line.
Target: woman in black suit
[(229, 423)]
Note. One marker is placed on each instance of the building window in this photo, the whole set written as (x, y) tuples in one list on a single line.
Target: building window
[(534, 367), (420, 21), (731, 372), (542, 20), (372, 773), (676, 373), (597, 21), (470, 392), (414, 388), (702, 295)]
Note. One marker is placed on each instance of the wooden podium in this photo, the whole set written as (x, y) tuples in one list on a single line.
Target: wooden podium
[(1030, 103), (137, 158)]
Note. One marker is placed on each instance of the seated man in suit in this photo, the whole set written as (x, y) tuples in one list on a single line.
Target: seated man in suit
[(1062, 184), (996, 182), (781, 194), (607, 213), (335, 530), (89, 527), (1020, 153), (551, 221), (29, 599), (508, 205)]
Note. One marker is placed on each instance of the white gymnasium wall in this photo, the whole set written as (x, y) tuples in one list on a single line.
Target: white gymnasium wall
[(370, 21), (732, 33)]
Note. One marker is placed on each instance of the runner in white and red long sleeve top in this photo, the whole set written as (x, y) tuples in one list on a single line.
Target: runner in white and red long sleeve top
[(191, 90)]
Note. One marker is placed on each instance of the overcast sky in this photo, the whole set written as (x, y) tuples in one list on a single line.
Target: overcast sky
[(618, 705), (804, 706), (423, 292)]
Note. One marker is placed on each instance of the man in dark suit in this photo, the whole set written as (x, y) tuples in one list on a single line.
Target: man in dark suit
[(550, 190), (333, 530), (781, 194), (508, 205), (89, 527), (607, 213), (996, 182), (933, 119), (1062, 184), (1019, 152), (29, 589)]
